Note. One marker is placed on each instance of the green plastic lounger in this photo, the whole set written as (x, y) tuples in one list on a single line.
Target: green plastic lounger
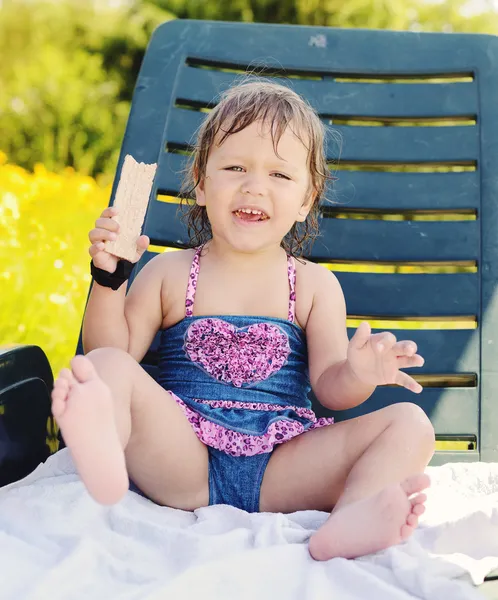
[(426, 228)]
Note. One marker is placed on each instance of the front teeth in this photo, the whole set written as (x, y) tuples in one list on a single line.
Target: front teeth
[(249, 211)]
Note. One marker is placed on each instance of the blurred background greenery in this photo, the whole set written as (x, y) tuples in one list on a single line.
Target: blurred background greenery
[(67, 73)]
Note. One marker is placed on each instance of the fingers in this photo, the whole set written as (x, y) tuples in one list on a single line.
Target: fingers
[(405, 348), (101, 235), (109, 212), (404, 380), (383, 342), (94, 249), (143, 243), (406, 362), (109, 224), (106, 228), (361, 335), (405, 351)]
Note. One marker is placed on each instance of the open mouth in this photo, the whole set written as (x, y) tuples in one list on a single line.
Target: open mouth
[(250, 215)]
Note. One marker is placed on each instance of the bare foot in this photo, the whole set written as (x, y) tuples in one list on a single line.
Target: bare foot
[(82, 406), (375, 523)]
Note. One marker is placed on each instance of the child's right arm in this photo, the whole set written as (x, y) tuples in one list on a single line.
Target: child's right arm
[(112, 318)]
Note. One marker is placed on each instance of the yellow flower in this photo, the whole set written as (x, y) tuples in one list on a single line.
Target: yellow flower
[(45, 218)]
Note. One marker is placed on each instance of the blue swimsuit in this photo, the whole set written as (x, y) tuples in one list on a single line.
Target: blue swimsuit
[(243, 384)]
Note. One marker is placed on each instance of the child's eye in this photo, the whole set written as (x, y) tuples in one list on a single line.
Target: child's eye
[(281, 176), (233, 168)]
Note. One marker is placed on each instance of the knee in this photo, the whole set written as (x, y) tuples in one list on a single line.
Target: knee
[(412, 419)]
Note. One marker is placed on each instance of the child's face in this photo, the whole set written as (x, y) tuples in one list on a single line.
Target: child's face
[(245, 173)]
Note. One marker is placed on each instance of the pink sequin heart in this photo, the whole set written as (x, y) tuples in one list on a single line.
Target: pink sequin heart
[(234, 355)]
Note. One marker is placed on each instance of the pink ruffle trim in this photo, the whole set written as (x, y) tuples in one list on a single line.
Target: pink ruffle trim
[(236, 443)]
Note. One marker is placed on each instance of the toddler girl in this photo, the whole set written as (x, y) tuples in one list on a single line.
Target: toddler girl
[(246, 330)]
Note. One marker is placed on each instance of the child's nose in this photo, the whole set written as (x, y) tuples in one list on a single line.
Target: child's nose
[(254, 185)]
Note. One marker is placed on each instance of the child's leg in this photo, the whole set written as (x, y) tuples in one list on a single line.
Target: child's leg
[(116, 420), (361, 469)]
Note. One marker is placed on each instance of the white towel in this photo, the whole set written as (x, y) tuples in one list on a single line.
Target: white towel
[(56, 543)]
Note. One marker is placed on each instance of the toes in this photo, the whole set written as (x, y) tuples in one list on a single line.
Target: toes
[(66, 375), (62, 382), (417, 503), (58, 407), (59, 395), (59, 392), (412, 520), (83, 368), (418, 509), (406, 531), (418, 499), (61, 387), (415, 484)]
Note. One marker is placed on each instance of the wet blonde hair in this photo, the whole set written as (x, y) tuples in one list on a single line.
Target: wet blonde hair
[(279, 107)]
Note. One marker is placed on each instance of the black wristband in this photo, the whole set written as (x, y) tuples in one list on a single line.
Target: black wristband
[(112, 280)]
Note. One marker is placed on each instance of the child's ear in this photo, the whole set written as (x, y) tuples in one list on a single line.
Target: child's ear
[(200, 193), (306, 207)]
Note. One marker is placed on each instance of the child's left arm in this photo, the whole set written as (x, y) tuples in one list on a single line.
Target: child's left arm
[(344, 373)]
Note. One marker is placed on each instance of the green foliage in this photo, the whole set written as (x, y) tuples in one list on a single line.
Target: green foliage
[(63, 110), (419, 15), (66, 79), (68, 68)]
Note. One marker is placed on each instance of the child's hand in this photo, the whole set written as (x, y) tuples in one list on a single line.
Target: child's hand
[(106, 228), (377, 359)]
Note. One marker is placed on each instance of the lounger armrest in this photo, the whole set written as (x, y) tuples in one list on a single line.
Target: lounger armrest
[(27, 432)]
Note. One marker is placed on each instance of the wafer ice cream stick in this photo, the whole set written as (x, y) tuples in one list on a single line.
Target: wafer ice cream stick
[(132, 198)]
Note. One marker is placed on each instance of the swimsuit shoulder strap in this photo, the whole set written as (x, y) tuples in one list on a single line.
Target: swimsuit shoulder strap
[(291, 271), (192, 283), (194, 274)]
